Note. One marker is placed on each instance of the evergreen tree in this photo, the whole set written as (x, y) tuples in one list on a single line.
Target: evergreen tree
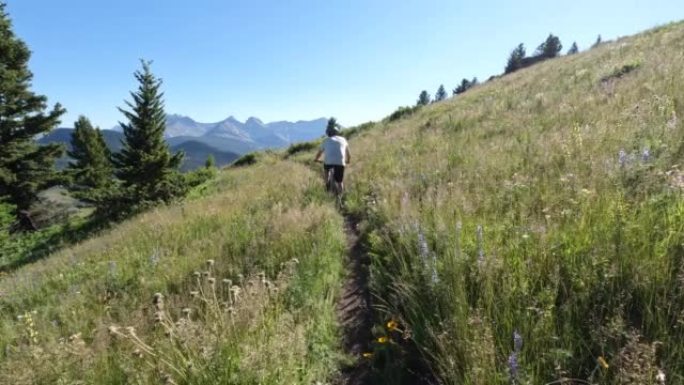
[(550, 48), (25, 167), (516, 59), (210, 162), (463, 87), (423, 99), (573, 49), (597, 42), (91, 167), (147, 169), (441, 94)]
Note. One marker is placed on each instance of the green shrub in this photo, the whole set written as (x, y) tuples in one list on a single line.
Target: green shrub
[(620, 72), (246, 160), (402, 112), (300, 147)]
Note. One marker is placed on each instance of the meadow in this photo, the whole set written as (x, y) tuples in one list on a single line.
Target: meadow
[(527, 231), (235, 287), (530, 231)]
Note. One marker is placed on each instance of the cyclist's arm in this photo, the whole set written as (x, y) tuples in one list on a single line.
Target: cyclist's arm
[(318, 155), (348, 156)]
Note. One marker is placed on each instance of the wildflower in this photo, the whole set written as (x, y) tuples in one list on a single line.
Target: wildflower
[(154, 258), (194, 294), (137, 353), (513, 367), (660, 377), (602, 361), (227, 282), (112, 268), (382, 340), (197, 274), (186, 312), (392, 325), (622, 158), (212, 281), (205, 274), (423, 246), (480, 246), (210, 262), (367, 355), (517, 342), (157, 297), (646, 155), (230, 310)]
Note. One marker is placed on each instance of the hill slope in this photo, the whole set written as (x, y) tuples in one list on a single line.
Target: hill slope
[(545, 205), (527, 231)]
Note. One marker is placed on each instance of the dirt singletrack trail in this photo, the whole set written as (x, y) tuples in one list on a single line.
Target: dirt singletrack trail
[(354, 307)]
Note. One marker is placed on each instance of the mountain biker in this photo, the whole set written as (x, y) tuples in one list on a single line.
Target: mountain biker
[(336, 150)]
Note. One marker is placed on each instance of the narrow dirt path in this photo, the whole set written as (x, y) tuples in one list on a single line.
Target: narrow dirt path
[(354, 308)]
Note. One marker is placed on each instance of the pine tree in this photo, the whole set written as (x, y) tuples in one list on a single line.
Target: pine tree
[(573, 49), (463, 87), (25, 167), (516, 58), (550, 48), (210, 162), (91, 167), (147, 169), (423, 99), (441, 94)]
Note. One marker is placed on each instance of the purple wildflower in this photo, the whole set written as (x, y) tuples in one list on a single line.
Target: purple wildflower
[(517, 342), (622, 158), (513, 367), (480, 246), (423, 246), (112, 268), (646, 155)]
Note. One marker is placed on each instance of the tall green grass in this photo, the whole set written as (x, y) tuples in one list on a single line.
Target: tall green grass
[(545, 204), (237, 287)]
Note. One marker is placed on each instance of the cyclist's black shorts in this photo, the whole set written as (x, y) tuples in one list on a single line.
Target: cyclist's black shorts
[(338, 171)]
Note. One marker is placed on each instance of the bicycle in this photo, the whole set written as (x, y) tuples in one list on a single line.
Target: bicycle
[(332, 186)]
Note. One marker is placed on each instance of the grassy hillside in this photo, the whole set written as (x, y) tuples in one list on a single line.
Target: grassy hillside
[(235, 288), (546, 204), (529, 231)]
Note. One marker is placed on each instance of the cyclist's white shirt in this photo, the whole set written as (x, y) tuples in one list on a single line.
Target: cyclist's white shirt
[(334, 150)]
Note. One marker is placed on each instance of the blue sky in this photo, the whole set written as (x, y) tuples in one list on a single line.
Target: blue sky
[(288, 60)]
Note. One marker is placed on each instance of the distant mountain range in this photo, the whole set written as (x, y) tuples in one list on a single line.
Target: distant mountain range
[(225, 140)]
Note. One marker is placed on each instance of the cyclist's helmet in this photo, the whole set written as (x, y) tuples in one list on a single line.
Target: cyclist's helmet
[(333, 128)]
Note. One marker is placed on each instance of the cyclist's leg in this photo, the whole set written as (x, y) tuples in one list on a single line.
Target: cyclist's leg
[(327, 177), (339, 179)]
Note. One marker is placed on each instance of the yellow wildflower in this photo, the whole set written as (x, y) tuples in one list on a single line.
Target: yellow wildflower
[(367, 355), (382, 340), (602, 361), (392, 325)]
